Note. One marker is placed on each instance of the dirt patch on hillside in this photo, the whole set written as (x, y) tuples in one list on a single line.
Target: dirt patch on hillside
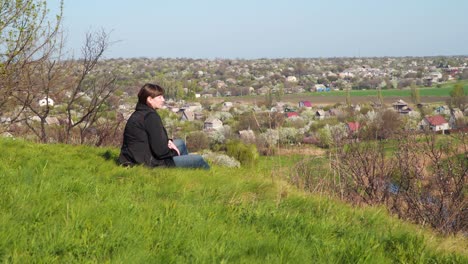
[(301, 150)]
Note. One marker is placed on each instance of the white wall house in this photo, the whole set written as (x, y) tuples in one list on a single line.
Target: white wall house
[(44, 101), (434, 123), (213, 123)]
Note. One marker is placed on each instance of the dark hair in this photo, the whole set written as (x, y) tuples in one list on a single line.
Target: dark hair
[(149, 89)]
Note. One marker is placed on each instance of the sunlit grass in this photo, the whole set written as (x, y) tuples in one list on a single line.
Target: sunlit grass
[(73, 204)]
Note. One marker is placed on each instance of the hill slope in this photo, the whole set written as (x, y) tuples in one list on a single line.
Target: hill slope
[(67, 204)]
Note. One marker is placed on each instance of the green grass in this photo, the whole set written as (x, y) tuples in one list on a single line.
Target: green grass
[(72, 204), (443, 91), (436, 92)]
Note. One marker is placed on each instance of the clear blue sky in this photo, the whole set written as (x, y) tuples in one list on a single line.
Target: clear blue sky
[(251, 29)]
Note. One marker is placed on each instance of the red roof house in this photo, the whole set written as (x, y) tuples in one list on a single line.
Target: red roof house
[(353, 127), (434, 123), (305, 104), (291, 114)]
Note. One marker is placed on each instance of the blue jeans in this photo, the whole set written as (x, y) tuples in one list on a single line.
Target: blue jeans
[(186, 160)]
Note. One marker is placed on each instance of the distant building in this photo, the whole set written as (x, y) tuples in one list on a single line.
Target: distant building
[(305, 104), (291, 114), (46, 101), (434, 123), (212, 123), (321, 88), (227, 106), (442, 110), (353, 127), (186, 115), (321, 114), (401, 107)]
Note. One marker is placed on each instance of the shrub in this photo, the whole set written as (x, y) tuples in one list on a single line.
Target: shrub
[(197, 141), (246, 154), (268, 140), (324, 137), (423, 180), (288, 135), (217, 140), (296, 122), (221, 159)]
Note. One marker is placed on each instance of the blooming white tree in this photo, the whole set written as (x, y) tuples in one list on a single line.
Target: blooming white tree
[(288, 135), (270, 137)]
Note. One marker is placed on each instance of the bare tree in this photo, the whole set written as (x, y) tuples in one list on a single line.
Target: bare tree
[(27, 38), (33, 68), (38, 84), (77, 85), (88, 93)]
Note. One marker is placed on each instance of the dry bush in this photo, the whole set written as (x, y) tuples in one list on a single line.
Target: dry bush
[(364, 172), (432, 182), (421, 178), (197, 141), (310, 175)]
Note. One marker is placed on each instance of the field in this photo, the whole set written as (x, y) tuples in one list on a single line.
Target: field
[(427, 94), (73, 204)]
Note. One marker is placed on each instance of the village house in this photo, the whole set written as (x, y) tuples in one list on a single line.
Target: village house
[(193, 106), (356, 108), (307, 104), (442, 110), (321, 88), (186, 115), (292, 114), (434, 123), (212, 123), (353, 128), (401, 107), (321, 114), (46, 101), (227, 106)]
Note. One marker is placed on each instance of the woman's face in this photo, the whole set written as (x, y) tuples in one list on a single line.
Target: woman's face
[(156, 102)]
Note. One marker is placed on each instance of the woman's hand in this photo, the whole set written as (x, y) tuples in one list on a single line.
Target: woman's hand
[(171, 145)]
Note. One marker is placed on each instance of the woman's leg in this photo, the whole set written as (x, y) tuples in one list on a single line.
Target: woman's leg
[(180, 144), (188, 161), (191, 161)]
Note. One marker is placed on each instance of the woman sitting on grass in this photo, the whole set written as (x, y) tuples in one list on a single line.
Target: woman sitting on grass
[(145, 139)]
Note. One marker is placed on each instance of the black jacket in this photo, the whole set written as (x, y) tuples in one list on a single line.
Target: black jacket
[(145, 140)]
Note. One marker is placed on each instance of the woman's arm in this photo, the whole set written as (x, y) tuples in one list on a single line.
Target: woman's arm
[(173, 146), (157, 136)]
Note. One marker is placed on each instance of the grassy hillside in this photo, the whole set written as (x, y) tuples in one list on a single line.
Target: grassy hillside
[(65, 204)]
